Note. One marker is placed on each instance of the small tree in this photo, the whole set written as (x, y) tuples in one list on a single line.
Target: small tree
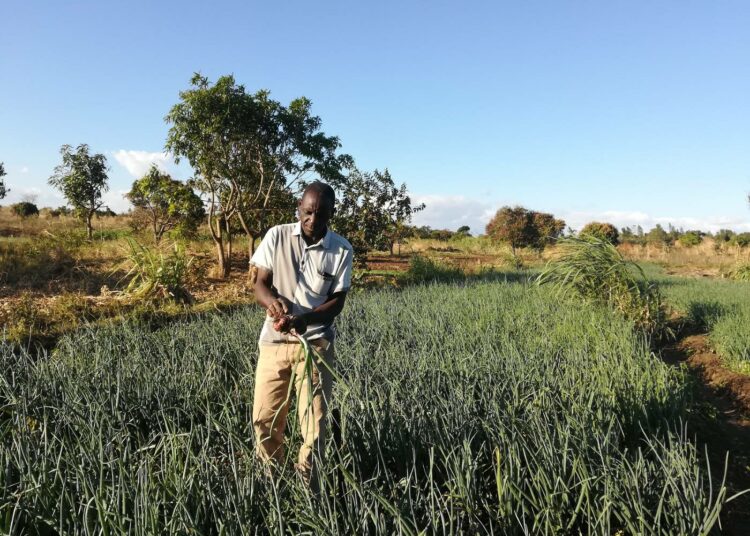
[(742, 239), (165, 203), (25, 209), (602, 231), (520, 227), (463, 230), (724, 236), (3, 190), (658, 236), (691, 238), (82, 179), (372, 212)]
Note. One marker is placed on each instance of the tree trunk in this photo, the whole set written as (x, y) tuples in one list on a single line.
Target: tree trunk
[(89, 228), (251, 245), (391, 244), (229, 240), (218, 241)]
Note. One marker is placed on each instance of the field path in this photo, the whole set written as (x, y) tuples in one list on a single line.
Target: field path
[(722, 424)]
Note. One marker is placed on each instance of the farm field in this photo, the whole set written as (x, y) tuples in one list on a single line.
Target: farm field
[(476, 407)]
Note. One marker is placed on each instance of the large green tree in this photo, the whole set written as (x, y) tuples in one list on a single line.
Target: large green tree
[(3, 190), (245, 148), (82, 179), (165, 203)]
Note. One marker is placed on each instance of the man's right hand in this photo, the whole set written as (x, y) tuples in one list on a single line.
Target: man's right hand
[(278, 308)]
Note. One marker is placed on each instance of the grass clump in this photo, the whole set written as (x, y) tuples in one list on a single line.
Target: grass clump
[(741, 272), (424, 270), (593, 269), (155, 276)]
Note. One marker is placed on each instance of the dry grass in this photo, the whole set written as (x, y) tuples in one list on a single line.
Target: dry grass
[(707, 259)]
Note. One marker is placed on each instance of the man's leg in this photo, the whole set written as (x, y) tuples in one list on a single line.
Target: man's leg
[(313, 398), (272, 377)]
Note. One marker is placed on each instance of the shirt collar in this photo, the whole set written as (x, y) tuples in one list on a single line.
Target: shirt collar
[(325, 241)]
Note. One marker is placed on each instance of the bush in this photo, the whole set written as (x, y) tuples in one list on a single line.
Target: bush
[(155, 276), (602, 231), (424, 270), (24, 209), (596, 271), (742, 239), (691, 238)]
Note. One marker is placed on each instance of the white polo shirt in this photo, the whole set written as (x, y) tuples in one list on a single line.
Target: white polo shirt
[(305, 275)]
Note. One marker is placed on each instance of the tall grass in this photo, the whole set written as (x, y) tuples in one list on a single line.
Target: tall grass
[(474, 408), (594, 269)]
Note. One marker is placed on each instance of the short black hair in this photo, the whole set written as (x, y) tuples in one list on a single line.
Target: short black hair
[(323, 190)]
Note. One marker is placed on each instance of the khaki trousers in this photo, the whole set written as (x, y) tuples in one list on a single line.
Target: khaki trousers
[(279, 365)]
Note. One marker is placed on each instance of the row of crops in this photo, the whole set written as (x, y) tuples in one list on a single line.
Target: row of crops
[(720, 307), (489, 407)]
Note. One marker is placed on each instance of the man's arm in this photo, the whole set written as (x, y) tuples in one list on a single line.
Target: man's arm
[(322, 314), (275, 305)]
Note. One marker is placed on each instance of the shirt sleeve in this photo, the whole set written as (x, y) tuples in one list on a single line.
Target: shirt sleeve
[(343, 277), (263, 256)]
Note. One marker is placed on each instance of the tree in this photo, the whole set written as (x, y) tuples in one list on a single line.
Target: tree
[(691, 238), (165, 203), (659, 236), (25, 209), (244, 148), (548, 227), (3, 190), (463, 230), (520, 227), (602, 231), (372, 212), (82, 179)]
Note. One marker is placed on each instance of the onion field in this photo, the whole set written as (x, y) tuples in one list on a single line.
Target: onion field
[(491, 407)]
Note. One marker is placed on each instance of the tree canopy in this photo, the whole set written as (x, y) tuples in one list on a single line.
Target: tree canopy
[(372, 212), (82, 179), (165, 203), (249, 152), (520, 227), (602, 231)]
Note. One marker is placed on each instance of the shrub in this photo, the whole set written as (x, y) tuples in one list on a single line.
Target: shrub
[(740, 272), (24, 209), (602, 231), (691, 238), (742, 239), (596, 271), (156, 276), (424, 270)]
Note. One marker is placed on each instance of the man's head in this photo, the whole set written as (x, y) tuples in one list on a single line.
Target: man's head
[(315, 209)]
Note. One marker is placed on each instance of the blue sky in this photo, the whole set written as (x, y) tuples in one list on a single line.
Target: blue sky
[(631, 112)]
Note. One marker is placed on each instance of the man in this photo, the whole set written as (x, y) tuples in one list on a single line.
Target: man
[(304, 273)]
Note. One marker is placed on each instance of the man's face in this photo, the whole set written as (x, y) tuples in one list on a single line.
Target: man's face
[(314, 215)]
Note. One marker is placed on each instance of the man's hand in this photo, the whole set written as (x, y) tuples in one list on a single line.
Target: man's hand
[(286, 323), (278, 308)]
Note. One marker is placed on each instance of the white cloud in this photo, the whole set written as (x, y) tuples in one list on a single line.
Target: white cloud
[(116, 201), (453, 211), (25, 169), (139, 162)]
